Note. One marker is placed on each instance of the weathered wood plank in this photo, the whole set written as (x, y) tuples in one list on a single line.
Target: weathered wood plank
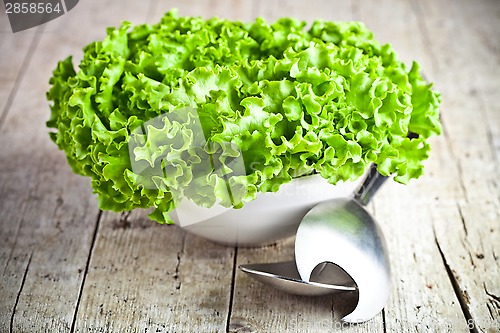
[(48, 213), (423, 297), (16, 50), (308, 11), (143, 276), (242, 10), (466, 126), (48, 250), (36, 222), (484, 58), (394, 22), (446, 178), (468, 231), (472, 261), (259, 308), (149, 277), (484, 24)]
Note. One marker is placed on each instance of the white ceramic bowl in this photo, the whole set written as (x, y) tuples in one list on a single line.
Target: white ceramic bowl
[(271, 216)]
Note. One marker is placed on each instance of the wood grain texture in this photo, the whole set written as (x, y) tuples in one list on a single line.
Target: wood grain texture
[(423, 297), (468, 234), (242, 10), (337, 10), (259, 308), (149, 277), (17, 50), (65, 267), (48, 213)]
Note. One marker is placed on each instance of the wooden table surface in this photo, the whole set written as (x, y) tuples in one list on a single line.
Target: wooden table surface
[(65, 266)]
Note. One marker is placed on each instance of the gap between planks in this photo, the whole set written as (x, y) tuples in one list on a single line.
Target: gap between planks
[(86, 270), (231, 294), (11, 324), (469, 194), (425, 36), (456, 287)]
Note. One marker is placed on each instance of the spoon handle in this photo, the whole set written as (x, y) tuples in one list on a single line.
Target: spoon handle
[(370, 185)]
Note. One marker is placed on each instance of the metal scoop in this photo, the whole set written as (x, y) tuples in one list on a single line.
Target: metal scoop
[(285, 276), (338, 248)]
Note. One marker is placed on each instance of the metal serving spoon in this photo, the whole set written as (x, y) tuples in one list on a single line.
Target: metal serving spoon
[(285, 276), (338, 248)]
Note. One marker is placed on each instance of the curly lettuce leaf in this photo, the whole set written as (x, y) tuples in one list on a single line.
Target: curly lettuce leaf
[(264, 103)]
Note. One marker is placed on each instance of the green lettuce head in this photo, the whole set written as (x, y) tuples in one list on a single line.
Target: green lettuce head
[(217, 111)]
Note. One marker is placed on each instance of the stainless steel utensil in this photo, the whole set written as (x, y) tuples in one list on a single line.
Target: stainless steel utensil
[(285, 276), (338, 248)]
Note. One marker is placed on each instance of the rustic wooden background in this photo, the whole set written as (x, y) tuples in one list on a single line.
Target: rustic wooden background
[(67, 267)]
